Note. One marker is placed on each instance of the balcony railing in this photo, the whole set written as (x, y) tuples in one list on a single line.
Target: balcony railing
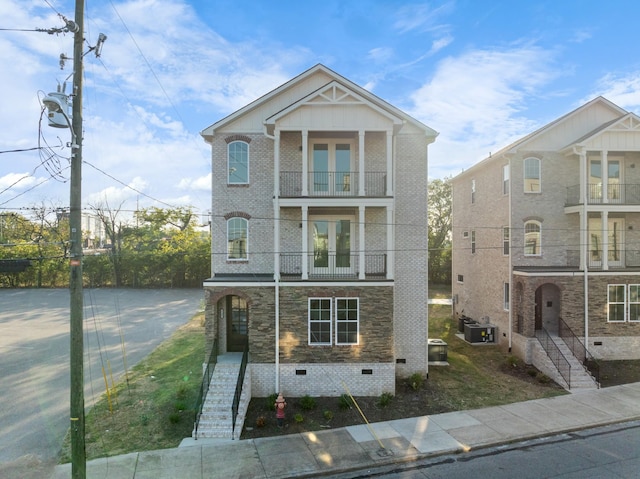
[(620, 259), (617, 194), (333, 266), (333, 183)]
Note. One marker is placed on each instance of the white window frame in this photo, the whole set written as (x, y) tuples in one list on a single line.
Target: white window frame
[(505, 179), (539, 232), (506, 241), (620, 287), (538, 171), (347, 322), (230, 167), (324, 321), (245, 222), (506, 296), (635, 302)]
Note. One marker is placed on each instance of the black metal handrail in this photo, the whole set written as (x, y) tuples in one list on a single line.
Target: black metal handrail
[(337, 266), (238, 393), (561, 363), (579, 350), (333, 183), (206, 381), (617, 193)]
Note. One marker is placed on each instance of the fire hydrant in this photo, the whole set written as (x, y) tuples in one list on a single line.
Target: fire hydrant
[(280, 405)]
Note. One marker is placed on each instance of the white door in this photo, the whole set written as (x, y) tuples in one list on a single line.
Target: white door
[(331, 246), (331, 168), (615, 254)]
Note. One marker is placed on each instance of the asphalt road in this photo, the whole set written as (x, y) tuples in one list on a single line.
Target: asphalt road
[(609, 452), (34, 354)]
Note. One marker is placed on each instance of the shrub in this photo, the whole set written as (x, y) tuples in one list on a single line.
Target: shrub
[(182, 392), (174, 417), (298, 418), (511, 361), (328, 415), (179, 406), (385, 399), (307, 402), (271, 402), (261, 421), (345, 402), (532, 372), (415, 381), (543, 378)]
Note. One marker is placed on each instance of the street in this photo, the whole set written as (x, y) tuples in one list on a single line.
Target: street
[(34, 354), (605, 452)]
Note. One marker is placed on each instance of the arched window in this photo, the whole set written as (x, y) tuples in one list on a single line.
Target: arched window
[(238, 163), (532, 238), (532, 175), (237, 238)]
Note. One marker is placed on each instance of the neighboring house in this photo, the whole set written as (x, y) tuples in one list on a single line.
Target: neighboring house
[(319, 239), (549, 228)]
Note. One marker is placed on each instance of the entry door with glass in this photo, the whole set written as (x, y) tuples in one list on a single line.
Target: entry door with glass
[(331, 168), (614, 181), (331, 246), (615, 256)]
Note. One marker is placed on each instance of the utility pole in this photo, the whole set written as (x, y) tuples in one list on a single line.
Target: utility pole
[(76, 306)]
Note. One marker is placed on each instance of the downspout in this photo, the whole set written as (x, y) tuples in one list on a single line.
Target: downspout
[(509, 224), (276, 256)]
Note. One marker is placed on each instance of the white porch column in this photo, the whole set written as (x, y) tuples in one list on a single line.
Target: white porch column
[(605, 176), (305, 242), (361, 172), (604, 216), (361, 243), (276, 205), (584, 197), (391, 244), (389, 163), (305, 163)]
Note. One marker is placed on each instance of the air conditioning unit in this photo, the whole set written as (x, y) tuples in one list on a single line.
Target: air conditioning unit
[(479, 333)]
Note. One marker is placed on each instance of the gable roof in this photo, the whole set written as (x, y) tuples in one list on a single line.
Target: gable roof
[(527, 139), (350, 91)]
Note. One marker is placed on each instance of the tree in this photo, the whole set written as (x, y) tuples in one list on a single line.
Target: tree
[(113, 231), (439, 217)]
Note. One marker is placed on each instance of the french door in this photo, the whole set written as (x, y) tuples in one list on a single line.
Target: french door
[(331, 246), (615, 253), (331, 168)]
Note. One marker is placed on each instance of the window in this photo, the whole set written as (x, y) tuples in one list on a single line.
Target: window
[(320, 321), (616, 300), (532, 175), (460, 278), (473, 242), (347, 320), (473, 191), (505, 179), (634, 302), (322, 314), (506, 296), (238, 163), (532, 238), (505, 241), (237, 238)]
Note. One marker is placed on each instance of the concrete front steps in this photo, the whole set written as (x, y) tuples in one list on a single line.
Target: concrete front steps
[(580, 378), (216, 417)]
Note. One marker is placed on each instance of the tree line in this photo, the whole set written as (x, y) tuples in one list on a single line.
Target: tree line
[(158, 248)]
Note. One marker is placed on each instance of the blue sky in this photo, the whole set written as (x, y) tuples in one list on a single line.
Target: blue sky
[(482, 73)]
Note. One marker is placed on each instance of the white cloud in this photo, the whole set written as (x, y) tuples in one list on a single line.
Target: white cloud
[(421, 16), (477, 100), (623, 90)]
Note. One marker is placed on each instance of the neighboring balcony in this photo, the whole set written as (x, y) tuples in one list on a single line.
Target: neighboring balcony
[(615, 194), (333, 266), (332, 183)]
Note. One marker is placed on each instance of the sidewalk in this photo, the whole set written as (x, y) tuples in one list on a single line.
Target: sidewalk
[(330, 451)]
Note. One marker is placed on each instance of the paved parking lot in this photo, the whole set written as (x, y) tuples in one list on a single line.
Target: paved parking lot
[(34, 354)]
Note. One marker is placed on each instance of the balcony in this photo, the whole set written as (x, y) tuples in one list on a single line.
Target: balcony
[(617, 260), (333, 266), (617, 194), (332, 184)]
